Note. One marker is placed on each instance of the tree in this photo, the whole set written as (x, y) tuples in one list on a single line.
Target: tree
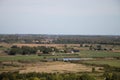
[(98, 47), (91, 47)]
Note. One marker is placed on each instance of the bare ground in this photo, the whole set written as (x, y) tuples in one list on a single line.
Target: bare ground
[(62, 67)]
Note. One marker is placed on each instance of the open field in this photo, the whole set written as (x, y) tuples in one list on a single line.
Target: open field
[(98, 54), (51, 63), (47, 63), (81, 54), (20, 57), (47, 67), (31, 57), (112, 63), (51, 67)]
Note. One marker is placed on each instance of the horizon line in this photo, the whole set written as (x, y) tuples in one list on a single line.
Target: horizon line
[(59, 34)]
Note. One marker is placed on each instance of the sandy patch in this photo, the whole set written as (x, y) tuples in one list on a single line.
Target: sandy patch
[(51, 67)]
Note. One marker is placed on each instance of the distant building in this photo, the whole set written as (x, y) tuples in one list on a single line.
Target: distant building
[(38, 52)]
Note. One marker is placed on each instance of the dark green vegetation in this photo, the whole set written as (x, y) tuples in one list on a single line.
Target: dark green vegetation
[(31, 50), (44, 76), (58, 76)]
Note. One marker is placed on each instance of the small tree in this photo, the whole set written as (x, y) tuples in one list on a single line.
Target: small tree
[(98, 47), (91, 47)]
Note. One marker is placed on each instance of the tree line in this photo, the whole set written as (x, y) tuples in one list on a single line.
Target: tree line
[(55, 76), (44, 76), (60, 39), (25, 50)]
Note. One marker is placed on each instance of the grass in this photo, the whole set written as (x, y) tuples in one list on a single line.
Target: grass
[(29, 57), (97, 54), (82, 54), (20, 57), (112, 63)]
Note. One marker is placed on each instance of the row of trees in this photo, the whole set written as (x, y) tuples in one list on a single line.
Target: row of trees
[(87, 40), (30, 50), (45, 76), (55, 76), (100, 47)]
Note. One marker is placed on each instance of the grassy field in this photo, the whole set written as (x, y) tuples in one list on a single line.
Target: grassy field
[(82, 54), (61, 67), (112, 63), (20, 57), (46, 67), (97, 54), (31, 57)]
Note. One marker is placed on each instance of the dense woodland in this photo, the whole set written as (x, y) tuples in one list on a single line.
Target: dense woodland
[(25, 50)]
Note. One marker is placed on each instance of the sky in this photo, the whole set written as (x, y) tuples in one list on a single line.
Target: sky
[(76, 17)]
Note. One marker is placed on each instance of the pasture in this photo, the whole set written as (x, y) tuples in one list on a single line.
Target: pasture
[(98, 54), (81, 54), (112, 63), (20, 57), (61, 67), (46, 67)]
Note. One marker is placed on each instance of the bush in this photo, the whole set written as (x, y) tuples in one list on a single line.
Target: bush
[(86, 77), (30, 50), (44, 76), (93, 69), (112, 76)]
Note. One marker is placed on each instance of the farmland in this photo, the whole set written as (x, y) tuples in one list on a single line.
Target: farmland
[(112, 63), (81, 54), (20, 57), (34, 55), (61, 67), (98, 54)]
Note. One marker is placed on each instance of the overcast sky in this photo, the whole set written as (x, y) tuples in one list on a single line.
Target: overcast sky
[(82, 17)]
